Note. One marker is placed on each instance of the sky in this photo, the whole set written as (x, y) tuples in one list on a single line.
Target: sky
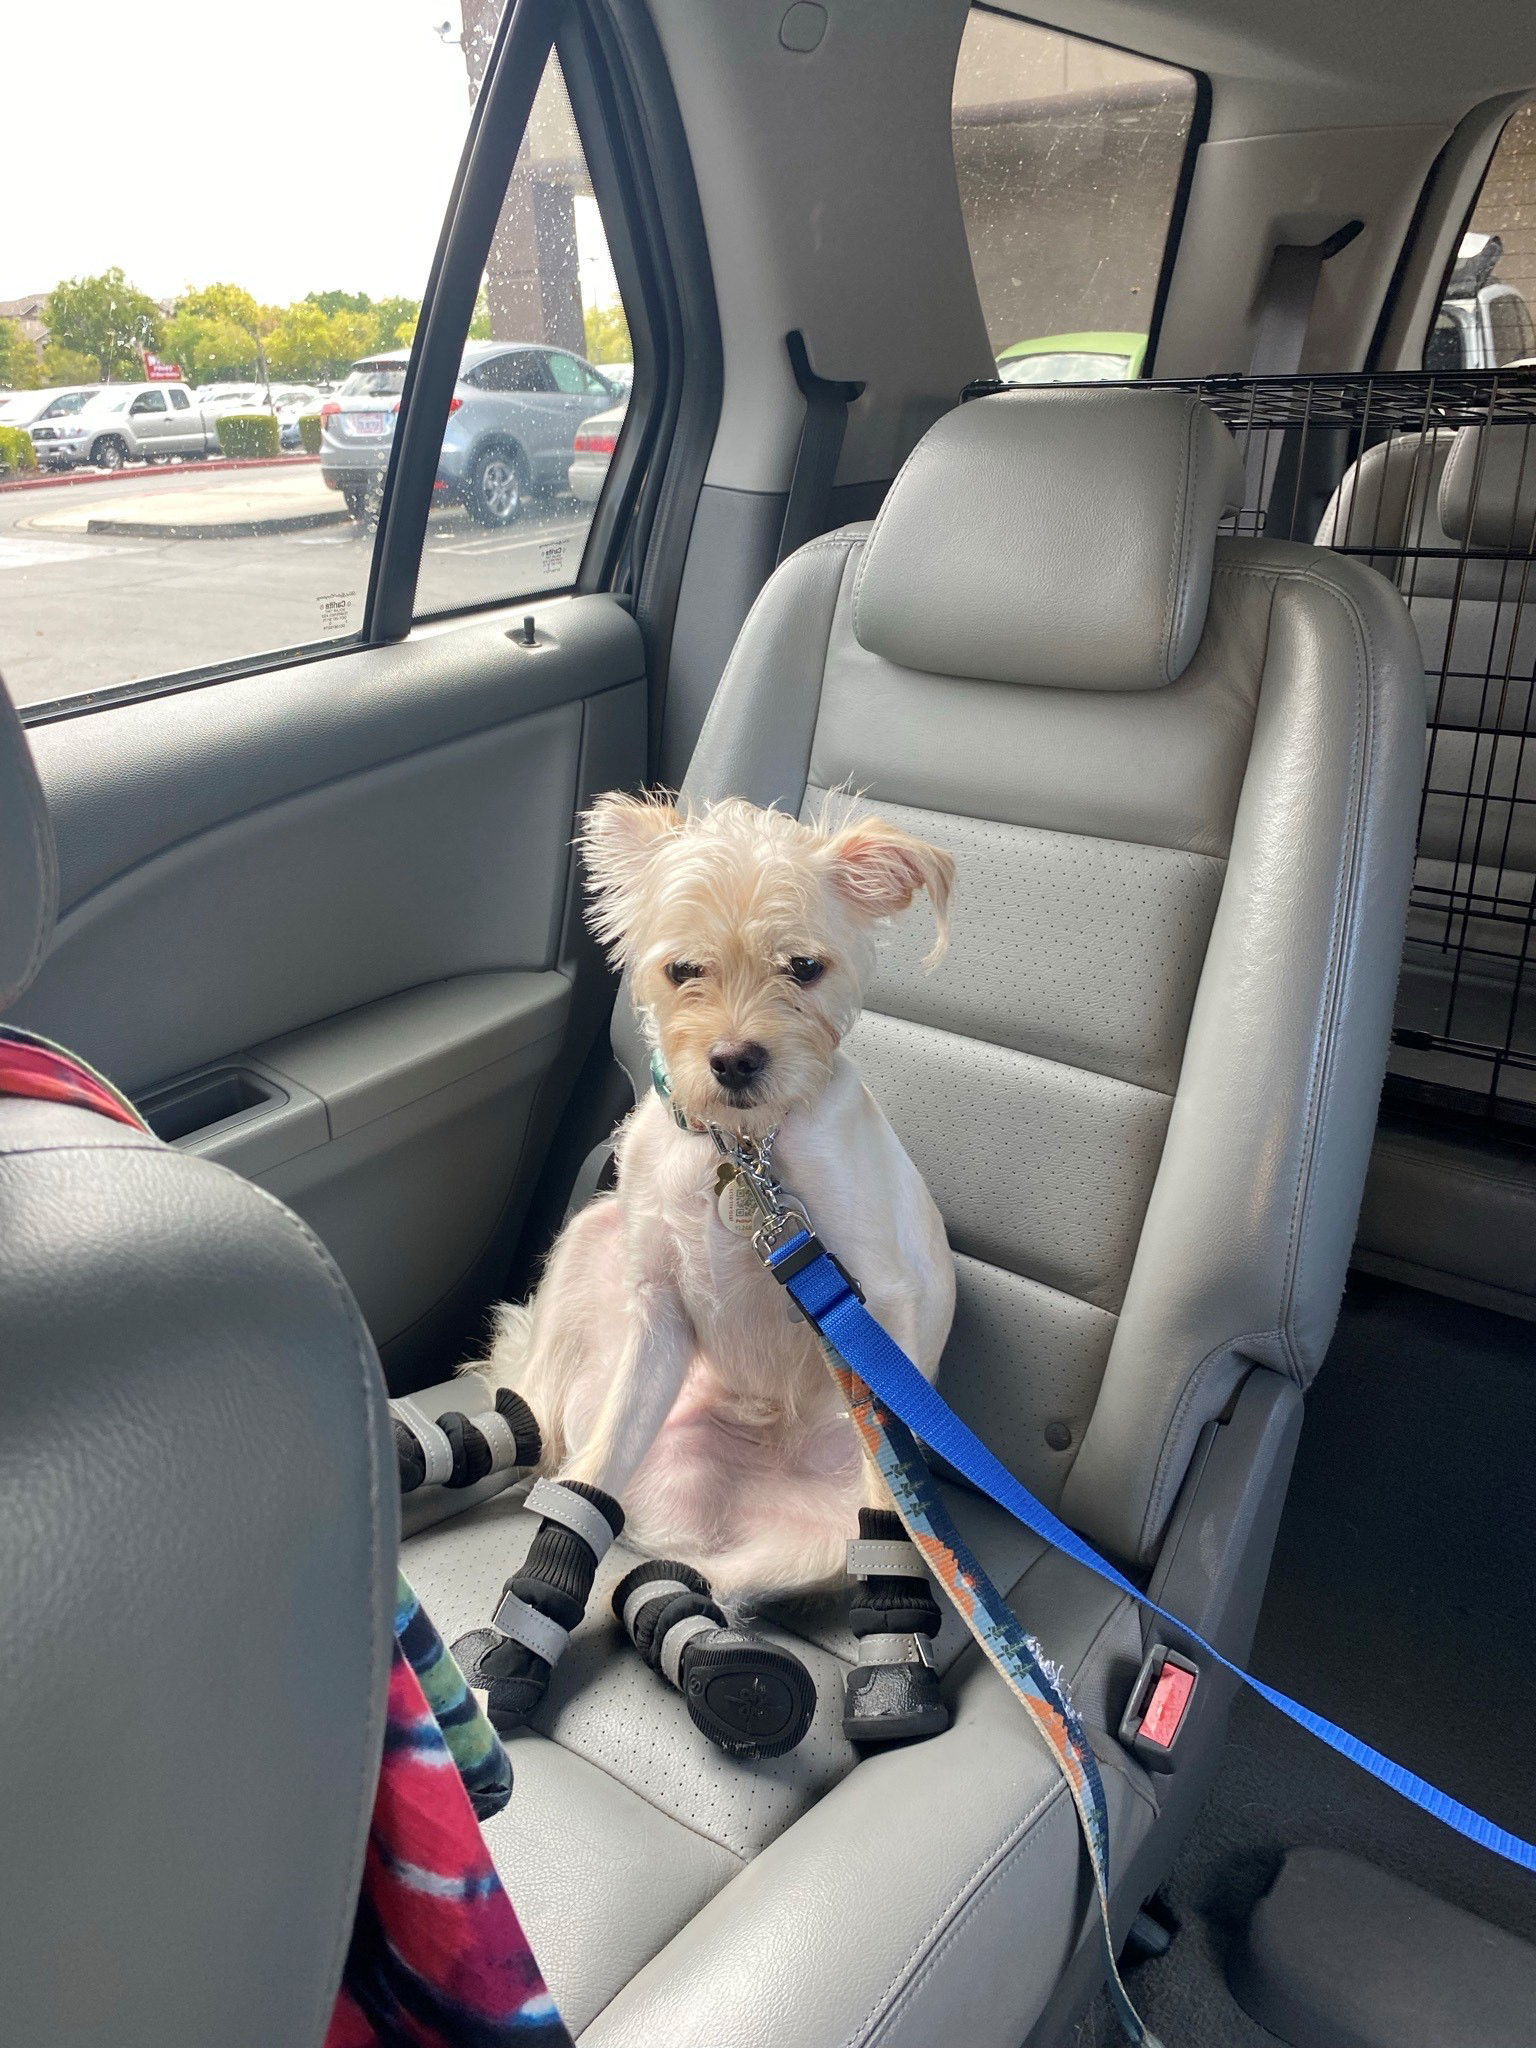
[(290, 147)]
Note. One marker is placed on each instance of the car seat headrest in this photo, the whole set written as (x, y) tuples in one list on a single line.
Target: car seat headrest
[(1488, 490), (29, 881), (1061, 538)]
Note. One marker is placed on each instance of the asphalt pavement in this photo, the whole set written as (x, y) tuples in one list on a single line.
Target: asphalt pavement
[(84, 610)]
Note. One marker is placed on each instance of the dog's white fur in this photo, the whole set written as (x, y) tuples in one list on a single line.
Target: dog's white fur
[(659, 1357)]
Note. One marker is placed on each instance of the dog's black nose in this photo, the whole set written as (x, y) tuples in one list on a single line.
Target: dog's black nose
[(737, 1062)]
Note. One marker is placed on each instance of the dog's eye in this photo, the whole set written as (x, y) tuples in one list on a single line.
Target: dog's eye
[(805, 970), (679, 971)]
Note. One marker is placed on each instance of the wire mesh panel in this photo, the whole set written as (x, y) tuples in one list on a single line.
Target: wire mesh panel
[(1431, 479)]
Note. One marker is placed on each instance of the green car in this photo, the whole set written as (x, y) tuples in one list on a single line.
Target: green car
[(1074, 359)]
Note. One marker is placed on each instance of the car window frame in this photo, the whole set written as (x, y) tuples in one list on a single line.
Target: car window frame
[(608, 61), (1417, 345), (500, 119)]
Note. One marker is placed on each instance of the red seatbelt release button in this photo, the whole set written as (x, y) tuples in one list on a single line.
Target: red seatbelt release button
[(1159, 1708)]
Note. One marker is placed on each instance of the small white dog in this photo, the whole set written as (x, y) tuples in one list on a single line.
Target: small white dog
[(661, 1360)]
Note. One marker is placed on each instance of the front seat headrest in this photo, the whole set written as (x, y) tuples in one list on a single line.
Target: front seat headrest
[(1488, 489), (1061, 538), (29, 875)]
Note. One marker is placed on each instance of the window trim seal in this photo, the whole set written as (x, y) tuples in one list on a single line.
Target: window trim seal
[(498, 123)]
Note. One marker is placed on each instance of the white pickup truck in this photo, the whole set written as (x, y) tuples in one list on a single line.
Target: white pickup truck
[(128, 423)]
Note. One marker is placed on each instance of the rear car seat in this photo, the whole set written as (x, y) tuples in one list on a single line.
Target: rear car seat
[(1434, 1202), (1180, 778)]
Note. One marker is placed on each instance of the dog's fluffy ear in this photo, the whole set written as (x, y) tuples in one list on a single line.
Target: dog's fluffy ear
[(878, 869), (618, 837)]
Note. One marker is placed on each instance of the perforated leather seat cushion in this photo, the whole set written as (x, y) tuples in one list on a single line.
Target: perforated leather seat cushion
[(626, 1824)]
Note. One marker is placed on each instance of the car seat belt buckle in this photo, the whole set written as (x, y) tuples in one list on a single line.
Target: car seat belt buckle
[(1159, 1708)]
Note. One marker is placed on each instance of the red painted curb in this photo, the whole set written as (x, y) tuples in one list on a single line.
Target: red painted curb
[(137, 472)]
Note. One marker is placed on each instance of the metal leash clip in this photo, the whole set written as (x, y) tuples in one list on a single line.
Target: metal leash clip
[(752, 1159)]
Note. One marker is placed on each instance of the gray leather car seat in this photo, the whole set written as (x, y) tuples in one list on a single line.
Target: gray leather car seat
[(1476, 622), (197, 1525), (1180, 778), (1439, 1206)]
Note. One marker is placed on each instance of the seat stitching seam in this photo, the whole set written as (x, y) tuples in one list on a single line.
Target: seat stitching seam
[(1340, 930), (1176, 594), (1018, 1052), (1220, 860), (1028, 1280), (1341, 918), (689, 1827), (918, 1953), (903, 1998), (918, 456)]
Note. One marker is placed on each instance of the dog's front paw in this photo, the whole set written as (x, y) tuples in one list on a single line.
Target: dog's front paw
[(542, 1603)]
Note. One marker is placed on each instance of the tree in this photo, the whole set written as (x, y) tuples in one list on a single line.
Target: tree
[(67, 366), (19, 368), (299, 345), (210, 347), (608, 334), (231, 302), (339, 302), (352, 335), (389, 316), (105, 318)]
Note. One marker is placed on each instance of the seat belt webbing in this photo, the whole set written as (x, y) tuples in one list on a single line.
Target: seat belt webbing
[(1286, 300), (821, 444)]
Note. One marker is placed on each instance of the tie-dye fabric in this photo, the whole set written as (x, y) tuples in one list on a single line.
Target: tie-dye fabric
[(472, 1742), (438, 1958), (42, 1071)]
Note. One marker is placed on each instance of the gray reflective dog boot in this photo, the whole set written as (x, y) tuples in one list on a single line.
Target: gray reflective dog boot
[(542, 1603), (748, 1696), (455, 1450), (892, 1693)]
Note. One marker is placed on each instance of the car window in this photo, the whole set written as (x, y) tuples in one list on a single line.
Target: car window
[(319, 266), (1069, 155), (179, 401), (1484, 318), (513, 505), (148, 401), (573, 377), (66, 403), (1065, 366), (375, 380), (524, 369)]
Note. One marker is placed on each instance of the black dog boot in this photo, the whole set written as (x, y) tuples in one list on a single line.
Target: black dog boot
[(751, 1698), (459, 1450), (542, 1603), (892, 1693)]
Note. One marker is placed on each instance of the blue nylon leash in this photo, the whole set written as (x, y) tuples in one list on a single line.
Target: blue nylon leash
[(825, 1296)]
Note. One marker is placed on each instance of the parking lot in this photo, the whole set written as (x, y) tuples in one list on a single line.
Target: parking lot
[(84, 609)]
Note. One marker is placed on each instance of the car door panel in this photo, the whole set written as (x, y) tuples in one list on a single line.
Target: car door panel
[(328, 915)]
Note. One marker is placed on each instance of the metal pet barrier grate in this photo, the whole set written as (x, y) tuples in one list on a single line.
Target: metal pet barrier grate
[(1360, 464)]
